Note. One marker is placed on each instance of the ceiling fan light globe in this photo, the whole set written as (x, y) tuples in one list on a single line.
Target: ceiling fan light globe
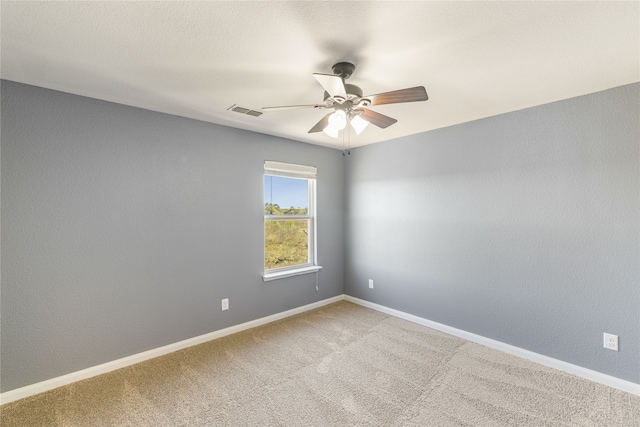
[(338, 120), (358, 124), (331, 131)]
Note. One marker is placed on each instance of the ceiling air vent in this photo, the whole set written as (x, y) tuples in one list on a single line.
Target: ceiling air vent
[(246, 111)]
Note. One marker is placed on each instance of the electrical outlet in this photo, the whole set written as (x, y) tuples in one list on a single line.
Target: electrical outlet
[(225, 304), (611, 341), (371, 283)]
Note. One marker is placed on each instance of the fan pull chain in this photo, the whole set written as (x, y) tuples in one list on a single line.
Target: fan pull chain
[(343, 150)]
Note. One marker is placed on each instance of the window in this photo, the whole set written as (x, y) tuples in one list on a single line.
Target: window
[(289, 220)]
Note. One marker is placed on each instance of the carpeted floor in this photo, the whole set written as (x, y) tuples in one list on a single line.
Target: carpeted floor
[(339, 365)]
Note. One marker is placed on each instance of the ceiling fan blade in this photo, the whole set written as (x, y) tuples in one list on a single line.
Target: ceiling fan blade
[(334, 85), (319, 127), (287, 107), (377, 119), (411, 94)]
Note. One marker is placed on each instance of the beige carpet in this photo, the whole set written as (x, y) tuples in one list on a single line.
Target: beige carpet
[(339, 365)]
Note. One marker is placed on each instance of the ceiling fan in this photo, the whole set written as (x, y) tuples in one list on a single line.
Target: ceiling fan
[(349, 103)]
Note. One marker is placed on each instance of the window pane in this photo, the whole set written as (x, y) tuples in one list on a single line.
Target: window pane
[(285, 196), (286, 243)]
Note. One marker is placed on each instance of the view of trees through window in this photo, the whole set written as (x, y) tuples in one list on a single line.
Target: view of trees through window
[(286, 229), (286, 241)]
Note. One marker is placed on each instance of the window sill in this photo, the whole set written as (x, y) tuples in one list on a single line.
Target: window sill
[(267, 277)]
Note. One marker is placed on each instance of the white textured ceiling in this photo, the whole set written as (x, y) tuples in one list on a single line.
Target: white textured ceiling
[(196, 59)]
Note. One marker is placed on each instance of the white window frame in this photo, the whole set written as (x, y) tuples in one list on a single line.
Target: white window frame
[(308, 173)]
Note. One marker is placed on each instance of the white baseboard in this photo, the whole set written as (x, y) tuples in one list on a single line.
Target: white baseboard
[(20, 393), (52, 383), (588, 374)]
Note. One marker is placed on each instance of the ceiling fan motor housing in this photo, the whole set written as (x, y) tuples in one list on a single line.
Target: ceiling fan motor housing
[(353, 93)]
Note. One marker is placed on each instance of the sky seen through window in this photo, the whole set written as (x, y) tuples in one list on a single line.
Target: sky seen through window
[(286, 192)]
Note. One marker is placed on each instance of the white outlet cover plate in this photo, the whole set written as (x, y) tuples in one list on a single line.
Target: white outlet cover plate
[(225, 304), (611, 341)]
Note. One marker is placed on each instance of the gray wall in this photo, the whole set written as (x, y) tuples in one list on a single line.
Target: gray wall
[(122, 229), (524, 228)]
